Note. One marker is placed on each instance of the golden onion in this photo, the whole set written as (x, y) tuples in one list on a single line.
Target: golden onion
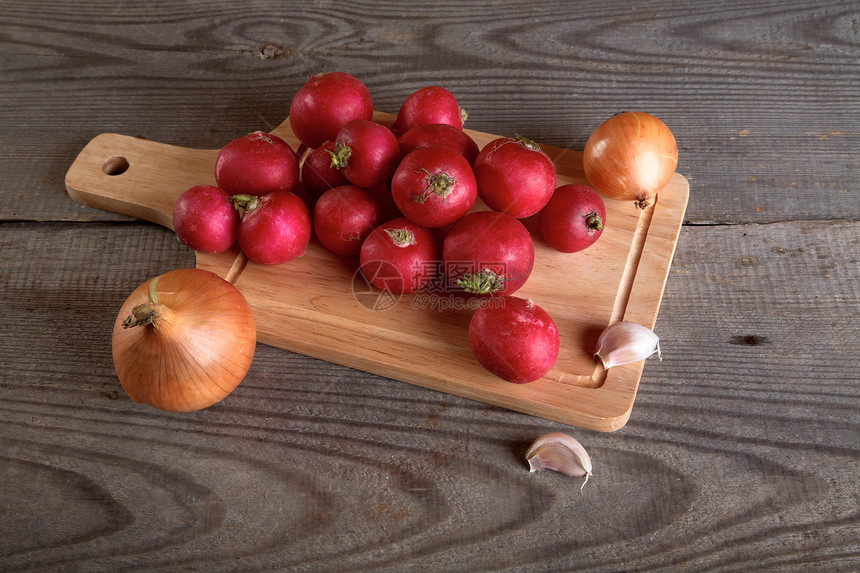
[(183, 341), (630, 156)]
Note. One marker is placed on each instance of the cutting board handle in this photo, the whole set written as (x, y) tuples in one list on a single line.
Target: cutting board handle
[(136, 177), (142, 178)]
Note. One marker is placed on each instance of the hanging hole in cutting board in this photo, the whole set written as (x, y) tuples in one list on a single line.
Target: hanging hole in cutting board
[(116, 165)]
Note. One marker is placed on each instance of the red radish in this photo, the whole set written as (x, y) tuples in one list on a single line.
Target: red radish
[(325, 104), (432, 104), (318, 175), (205, 219), (366, 152), (302, 193), (514, 176), (344, 217), (275, 228), (399, 256), (573, 219), (382, 195), (440, 134), (256, 164), (515, 340), (487, 253), (434, 186)]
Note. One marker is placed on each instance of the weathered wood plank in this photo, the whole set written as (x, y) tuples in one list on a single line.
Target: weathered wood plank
[(762, 96), (741, 452)]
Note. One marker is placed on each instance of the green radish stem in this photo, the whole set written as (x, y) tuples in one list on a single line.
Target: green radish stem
[(401, 237), (485, 281), (340, 155), (593, 221), (526, 142), (245, 202), (439, 184)]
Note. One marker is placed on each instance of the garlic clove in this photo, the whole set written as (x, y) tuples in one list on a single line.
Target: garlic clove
[(624, 343), (560, 453)]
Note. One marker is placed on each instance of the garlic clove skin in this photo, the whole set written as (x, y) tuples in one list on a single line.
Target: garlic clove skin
[(625, 343), (560, 453)]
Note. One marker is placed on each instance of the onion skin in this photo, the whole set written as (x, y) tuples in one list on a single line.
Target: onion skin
[(197, 348), (630, 157)]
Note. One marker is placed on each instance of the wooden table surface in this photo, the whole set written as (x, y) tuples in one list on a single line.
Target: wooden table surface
[(741, 453)]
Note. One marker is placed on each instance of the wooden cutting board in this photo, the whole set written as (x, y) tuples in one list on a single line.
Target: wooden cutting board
[(319, 306)]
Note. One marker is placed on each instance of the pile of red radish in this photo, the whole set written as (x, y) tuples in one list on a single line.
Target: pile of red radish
[(403, 197)]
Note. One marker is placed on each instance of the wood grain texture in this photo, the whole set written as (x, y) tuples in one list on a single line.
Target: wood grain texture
[(759, 94), (741, 453)]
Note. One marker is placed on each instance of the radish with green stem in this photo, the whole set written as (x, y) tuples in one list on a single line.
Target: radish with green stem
[(573, 219), (429, 105), (205, 219), (256, 164), (366, 153), (399, 256), (434, 186), (344, 217), (487, 253), (326, 103), (275, 227), (515, 176)]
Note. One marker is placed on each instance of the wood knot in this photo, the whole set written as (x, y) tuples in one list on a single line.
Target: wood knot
[(271, 51), (749, 340)]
